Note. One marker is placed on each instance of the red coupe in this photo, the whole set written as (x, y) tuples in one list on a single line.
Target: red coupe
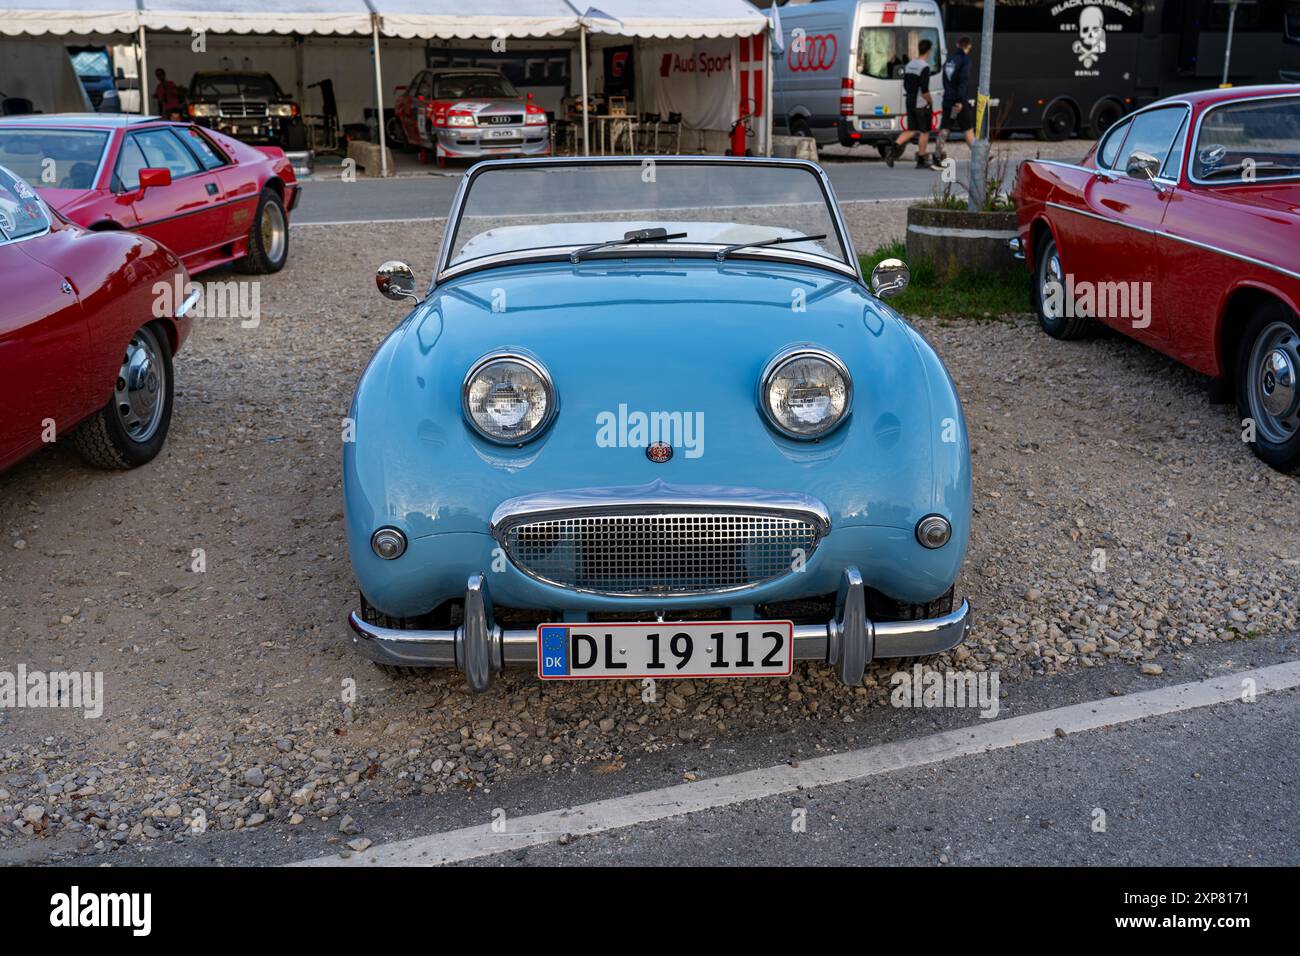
[(1196, 197), (87, 333), (209, 198)]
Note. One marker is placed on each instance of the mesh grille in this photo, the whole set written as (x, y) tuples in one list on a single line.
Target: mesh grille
[(685, 553)]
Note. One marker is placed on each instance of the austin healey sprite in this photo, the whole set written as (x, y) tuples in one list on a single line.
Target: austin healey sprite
[(650, 419)]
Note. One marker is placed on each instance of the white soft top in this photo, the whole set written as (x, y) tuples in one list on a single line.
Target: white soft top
[(549, 235)]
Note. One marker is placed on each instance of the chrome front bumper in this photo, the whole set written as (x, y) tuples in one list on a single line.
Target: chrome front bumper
[(480, 648)]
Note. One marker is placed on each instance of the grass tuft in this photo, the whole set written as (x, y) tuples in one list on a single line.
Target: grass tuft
[(968, 295)]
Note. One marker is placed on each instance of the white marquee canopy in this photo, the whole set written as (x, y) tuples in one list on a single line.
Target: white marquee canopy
[(406, 19)]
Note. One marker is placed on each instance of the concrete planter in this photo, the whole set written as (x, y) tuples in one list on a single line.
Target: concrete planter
[(952, 240)]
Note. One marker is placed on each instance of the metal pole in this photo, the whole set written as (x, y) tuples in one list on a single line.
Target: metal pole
[(1227, 54), (582, 33), (767, 92), (143, 65), (979, 151), (379, 103)]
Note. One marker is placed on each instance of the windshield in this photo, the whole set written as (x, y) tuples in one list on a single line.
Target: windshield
[(57, 158), (459, 86), (1258, 137), (884, 51), (715, 204), (234, 84), (21, 213)]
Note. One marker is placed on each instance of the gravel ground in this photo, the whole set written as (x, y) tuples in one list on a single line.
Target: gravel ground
[(1123, 525)]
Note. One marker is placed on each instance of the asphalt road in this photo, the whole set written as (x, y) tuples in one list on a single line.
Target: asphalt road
[(429, 196), (1211, 785)]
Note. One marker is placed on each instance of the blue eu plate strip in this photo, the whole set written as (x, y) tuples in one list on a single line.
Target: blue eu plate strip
[(555, 651)]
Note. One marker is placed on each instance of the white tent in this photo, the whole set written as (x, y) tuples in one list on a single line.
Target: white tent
[(660, 21), (37, 17)]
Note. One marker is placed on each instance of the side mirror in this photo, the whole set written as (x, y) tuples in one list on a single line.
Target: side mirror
[(1143, 166), (152, 177), (890, 277), (396, 281)]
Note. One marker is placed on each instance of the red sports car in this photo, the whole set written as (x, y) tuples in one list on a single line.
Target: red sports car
[(209, 198), (1196, 199), (87, 333)]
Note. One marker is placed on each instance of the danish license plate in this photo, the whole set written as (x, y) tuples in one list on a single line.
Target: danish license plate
[(665, 649), (870, 124)]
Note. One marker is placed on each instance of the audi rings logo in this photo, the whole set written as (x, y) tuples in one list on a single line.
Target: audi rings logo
[(815, 53)]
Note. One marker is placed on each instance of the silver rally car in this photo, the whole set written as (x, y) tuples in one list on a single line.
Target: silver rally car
[(467, 114)]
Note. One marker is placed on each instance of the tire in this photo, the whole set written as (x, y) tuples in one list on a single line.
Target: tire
[(1048, 268), (916, 612), (1268, 389), (394, 133), (371, 616), (295, 137), (1105, 114), (799, 127), (268, 237), (131, 429), (1058, 122)]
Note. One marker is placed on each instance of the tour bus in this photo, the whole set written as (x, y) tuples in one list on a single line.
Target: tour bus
[(840, 79), (1062, 67)]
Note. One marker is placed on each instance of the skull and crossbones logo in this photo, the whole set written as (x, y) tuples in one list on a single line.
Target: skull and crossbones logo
[(1092, 37)]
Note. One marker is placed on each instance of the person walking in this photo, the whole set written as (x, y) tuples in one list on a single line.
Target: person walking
[(956, 97), (916, 90)]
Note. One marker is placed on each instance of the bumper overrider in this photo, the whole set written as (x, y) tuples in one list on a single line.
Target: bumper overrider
[(480, 648)]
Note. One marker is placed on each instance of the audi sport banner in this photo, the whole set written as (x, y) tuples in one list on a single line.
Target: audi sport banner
[(697, 78)]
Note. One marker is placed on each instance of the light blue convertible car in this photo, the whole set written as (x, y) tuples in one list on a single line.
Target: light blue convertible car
[(650, 420)]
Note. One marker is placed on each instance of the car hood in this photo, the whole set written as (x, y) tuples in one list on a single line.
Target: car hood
[(621, 337), (63, 199)]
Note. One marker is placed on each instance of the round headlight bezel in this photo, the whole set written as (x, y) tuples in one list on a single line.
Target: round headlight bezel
[(532, 365), (796, 353)]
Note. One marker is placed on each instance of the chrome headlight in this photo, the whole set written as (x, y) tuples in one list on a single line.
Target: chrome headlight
[(805, 392), (508, 398), (283, 109), (203, 109)]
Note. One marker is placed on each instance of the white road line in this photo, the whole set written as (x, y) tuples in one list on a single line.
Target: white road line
[(619, 812)]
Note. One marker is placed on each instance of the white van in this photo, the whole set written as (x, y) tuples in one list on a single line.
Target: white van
[(840, 79)]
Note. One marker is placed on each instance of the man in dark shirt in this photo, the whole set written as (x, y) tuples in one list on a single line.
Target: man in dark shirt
[(956, 96), (920, 107)]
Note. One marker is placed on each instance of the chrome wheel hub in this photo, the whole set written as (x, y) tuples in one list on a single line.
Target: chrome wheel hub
[(1051, 285), (141, 388), (273, 232), (1273, 390)]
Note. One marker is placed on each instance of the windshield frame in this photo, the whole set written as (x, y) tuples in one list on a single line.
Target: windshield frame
[(1194, 142), (444, 271)]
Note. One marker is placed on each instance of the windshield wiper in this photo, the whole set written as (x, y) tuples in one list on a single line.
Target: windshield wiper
[(629, 239), (722, 253)]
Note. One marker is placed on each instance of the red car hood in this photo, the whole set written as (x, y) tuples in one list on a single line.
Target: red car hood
[(62, 199)]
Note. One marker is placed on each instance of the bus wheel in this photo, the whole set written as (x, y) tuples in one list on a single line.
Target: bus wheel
[(1058, 122), (1104, 115)]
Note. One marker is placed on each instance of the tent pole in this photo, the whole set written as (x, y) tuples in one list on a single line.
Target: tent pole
[(767, 93), (586, 143), (143, 65), (379, 103)]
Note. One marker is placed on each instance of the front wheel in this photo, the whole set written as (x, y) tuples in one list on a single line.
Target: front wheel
[(1268, 390), (268, 238), (131, 428), (1058, 317)]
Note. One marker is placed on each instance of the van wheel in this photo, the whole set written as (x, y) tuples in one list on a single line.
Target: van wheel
[(799, 127), (1268, 385), (1058, 123), (1049, 295)]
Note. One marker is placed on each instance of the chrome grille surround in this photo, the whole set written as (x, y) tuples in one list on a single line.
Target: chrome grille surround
[(658, 540)]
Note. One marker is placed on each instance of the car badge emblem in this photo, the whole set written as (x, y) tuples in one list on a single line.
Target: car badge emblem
[(659, 452)]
